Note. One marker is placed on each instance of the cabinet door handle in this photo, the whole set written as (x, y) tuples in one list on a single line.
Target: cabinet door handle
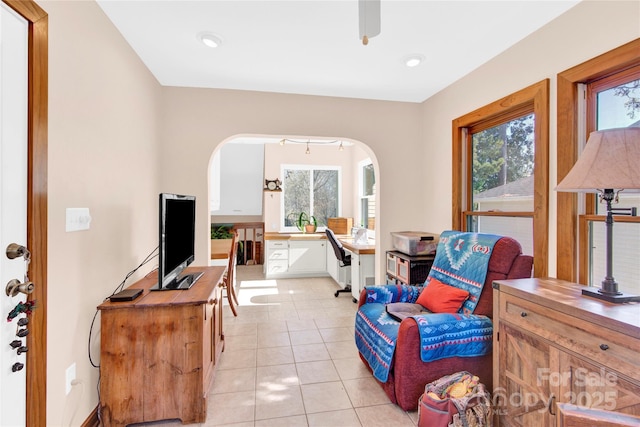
[(604, 347), (523, 314), (552, 400)]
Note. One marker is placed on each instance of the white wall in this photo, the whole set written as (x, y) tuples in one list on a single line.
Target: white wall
[(587, 30)]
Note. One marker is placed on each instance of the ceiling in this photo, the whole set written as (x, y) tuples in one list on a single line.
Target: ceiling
[(312, 47)]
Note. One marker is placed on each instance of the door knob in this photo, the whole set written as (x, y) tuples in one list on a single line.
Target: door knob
[(14, 287), (15, 250)]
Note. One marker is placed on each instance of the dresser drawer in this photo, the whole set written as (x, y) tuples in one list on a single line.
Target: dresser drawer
[(605, 346)]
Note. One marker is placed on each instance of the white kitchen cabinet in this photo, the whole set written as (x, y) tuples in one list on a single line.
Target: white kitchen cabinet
[(307, 256), (362, 272), (296, 258)]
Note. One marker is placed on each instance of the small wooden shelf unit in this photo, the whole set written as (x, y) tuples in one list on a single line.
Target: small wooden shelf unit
[(158, 352)]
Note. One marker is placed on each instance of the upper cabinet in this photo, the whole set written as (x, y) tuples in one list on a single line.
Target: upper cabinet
[(236, 180)]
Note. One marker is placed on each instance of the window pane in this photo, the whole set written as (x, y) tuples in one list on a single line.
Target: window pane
[(626, 253), (617, 106), (368, 180), (502, 170), (519, 228), (297, 197), (325, 195)]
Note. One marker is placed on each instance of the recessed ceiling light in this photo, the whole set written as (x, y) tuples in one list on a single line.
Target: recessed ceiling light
[(210, 40), (413, 60)]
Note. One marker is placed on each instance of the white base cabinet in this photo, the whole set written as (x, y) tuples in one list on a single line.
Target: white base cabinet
[(295, 258), (362, 272)]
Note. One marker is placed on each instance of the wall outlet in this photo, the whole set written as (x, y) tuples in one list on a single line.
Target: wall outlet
[(77, 219), (70, 376)]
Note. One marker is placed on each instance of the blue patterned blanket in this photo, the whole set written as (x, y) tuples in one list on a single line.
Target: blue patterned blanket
[(445, 335), (376, 334), (442, 335), (462, 260)]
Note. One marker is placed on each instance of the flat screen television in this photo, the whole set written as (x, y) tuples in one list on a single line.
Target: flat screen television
[(176, 221)]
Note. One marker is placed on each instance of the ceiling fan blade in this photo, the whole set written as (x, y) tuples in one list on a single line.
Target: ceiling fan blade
[(369, 18)]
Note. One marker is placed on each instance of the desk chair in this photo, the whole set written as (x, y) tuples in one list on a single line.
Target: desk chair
[(343, 258)]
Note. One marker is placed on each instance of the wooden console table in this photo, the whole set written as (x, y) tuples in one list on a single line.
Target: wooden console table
[(158, 352), (553, 345)]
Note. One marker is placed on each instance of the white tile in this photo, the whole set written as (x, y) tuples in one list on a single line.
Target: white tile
[(323, 397)]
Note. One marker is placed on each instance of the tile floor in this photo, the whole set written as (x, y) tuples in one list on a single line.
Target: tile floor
[(290, 360)]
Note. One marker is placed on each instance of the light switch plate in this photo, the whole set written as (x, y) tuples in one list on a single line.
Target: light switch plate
[(78, 219)]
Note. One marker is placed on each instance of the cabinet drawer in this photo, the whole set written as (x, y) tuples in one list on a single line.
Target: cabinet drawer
[(403, 269), (277, 244), (391, 263), (276, 254), (277, 266), (605, 346)]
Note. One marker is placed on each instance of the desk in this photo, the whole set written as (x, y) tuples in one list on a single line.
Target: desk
[(362, 265), (158, 352)]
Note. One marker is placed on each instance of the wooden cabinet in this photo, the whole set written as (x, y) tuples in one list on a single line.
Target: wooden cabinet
[(158, 353), (554, 345), (403, 269)]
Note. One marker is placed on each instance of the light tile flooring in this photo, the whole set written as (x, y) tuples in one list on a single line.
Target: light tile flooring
[(290, 360)]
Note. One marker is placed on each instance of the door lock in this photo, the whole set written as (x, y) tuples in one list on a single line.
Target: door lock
[(14, 287)]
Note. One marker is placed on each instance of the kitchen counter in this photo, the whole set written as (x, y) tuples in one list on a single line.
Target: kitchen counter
[(295, 236), (361, 249)]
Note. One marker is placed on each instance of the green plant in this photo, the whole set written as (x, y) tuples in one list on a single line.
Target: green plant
[(221, 231), (304, 219)]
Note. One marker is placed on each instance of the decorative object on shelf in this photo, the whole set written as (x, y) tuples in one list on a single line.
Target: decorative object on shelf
[(306, 223), (272, 185), (608, 164)]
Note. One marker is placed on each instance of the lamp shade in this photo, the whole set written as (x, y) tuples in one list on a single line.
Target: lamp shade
[(610, 160)]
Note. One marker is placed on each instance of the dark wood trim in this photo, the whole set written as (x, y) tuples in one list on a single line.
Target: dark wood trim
[(622, 58), (534, 98), (36, 398)]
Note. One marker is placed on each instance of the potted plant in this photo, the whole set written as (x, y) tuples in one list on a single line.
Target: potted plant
[(221, 235), (306, 223)]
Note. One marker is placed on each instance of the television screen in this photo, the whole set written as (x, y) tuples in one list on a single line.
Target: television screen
[(177, 217)]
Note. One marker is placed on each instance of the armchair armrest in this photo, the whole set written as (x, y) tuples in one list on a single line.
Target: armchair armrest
[(385, 294)]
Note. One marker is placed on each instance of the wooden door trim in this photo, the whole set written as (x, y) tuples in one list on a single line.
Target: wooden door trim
[(37, 111)]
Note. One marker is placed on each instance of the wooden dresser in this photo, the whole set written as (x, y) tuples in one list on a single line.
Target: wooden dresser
[(553, 345), (158, 352)]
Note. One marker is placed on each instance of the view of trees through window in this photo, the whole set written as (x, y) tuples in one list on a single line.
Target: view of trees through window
[(502, 169), (503, 154), (314, 191)]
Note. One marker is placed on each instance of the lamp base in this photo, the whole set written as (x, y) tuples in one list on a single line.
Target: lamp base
[(616, 299)]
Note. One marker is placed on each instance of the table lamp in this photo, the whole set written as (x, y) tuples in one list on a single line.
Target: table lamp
[(609, 163)]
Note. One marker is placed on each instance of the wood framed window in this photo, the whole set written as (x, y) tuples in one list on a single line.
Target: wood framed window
[(501, 170), (600, 71)]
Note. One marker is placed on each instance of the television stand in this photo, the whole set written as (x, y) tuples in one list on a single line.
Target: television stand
[(182, 282), (161, 340)]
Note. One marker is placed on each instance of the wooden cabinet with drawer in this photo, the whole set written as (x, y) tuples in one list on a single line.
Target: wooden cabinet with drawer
[(554, 345)]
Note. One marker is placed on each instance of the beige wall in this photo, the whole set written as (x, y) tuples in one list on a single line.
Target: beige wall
[(589, 29), (102, 155), (196, 121), (275, 156), (116, 138)]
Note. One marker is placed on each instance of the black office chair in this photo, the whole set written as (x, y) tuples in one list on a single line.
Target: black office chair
[(341, 255)]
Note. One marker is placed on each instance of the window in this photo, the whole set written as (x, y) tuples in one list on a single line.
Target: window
[(314, 190), (572, 252), (612, 102), (367, 194), (500, 170)]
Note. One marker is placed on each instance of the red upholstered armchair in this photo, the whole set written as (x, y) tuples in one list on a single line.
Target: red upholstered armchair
[(408, 374)]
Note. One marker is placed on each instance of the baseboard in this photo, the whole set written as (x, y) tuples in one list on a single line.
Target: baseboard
[(92, 419)]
